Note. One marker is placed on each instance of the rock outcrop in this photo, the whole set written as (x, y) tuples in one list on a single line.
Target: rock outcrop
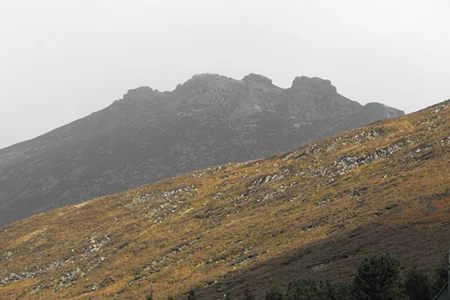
[(150, 135)]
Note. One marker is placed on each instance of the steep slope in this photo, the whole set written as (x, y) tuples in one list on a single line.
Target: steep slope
[(314, 211), (149, 135)]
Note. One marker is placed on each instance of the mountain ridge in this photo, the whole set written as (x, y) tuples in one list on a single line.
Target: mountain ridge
[(313, 211), (149, 135)]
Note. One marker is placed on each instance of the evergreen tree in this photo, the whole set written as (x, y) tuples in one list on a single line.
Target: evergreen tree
[(274, 294), (192, 295), (442, 273), (248, 294), (309, 290), (418, 285), (377, 278), (342, 292)]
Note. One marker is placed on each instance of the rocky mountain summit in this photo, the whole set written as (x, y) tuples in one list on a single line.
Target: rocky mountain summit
[(150, 135)]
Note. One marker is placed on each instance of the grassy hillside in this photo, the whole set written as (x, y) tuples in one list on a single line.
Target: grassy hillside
[(149, 136), (312, 212)]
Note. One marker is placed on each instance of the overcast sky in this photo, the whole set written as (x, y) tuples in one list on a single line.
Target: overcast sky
[(62, 60)]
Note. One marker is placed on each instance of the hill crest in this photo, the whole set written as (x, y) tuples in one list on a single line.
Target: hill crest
[(150, 135), (313, 211)]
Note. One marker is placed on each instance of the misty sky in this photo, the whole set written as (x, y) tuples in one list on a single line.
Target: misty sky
[(62, 60)]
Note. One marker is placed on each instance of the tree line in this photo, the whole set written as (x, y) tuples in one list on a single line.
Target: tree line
[(379, 277)]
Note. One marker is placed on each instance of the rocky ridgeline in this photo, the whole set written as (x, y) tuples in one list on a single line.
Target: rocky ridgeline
[(148, 136)]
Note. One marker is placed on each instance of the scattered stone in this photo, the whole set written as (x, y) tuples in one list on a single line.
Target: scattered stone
[(267, 178), (67, 279), (347, 163), (319, 267), (445, 141), (35, 290), (95, 246), (155, 265), (7, 255)]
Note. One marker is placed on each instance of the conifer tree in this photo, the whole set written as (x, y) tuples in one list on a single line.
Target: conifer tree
[(248, 294), (308, 289), (377, 278), (192, 295), (274, 294), (442, 273), (418, 285)]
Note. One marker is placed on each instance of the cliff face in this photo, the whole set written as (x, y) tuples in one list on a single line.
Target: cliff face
[(150, 135)]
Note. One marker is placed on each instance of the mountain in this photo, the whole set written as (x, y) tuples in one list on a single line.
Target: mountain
[(150, 135), (311, 212)]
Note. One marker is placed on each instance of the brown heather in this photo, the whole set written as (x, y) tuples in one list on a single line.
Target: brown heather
[(312, 212)]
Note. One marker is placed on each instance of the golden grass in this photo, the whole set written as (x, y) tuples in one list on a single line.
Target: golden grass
[(224, 224)]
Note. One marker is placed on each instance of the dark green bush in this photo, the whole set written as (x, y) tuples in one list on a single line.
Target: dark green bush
[(377, 278)]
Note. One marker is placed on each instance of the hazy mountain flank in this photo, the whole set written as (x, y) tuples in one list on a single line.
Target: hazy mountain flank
[(150, 135), (310, 212)]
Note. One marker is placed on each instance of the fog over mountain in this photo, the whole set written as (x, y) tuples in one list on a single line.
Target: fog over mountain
[(149, 135), (256, 149), (62, 60)]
